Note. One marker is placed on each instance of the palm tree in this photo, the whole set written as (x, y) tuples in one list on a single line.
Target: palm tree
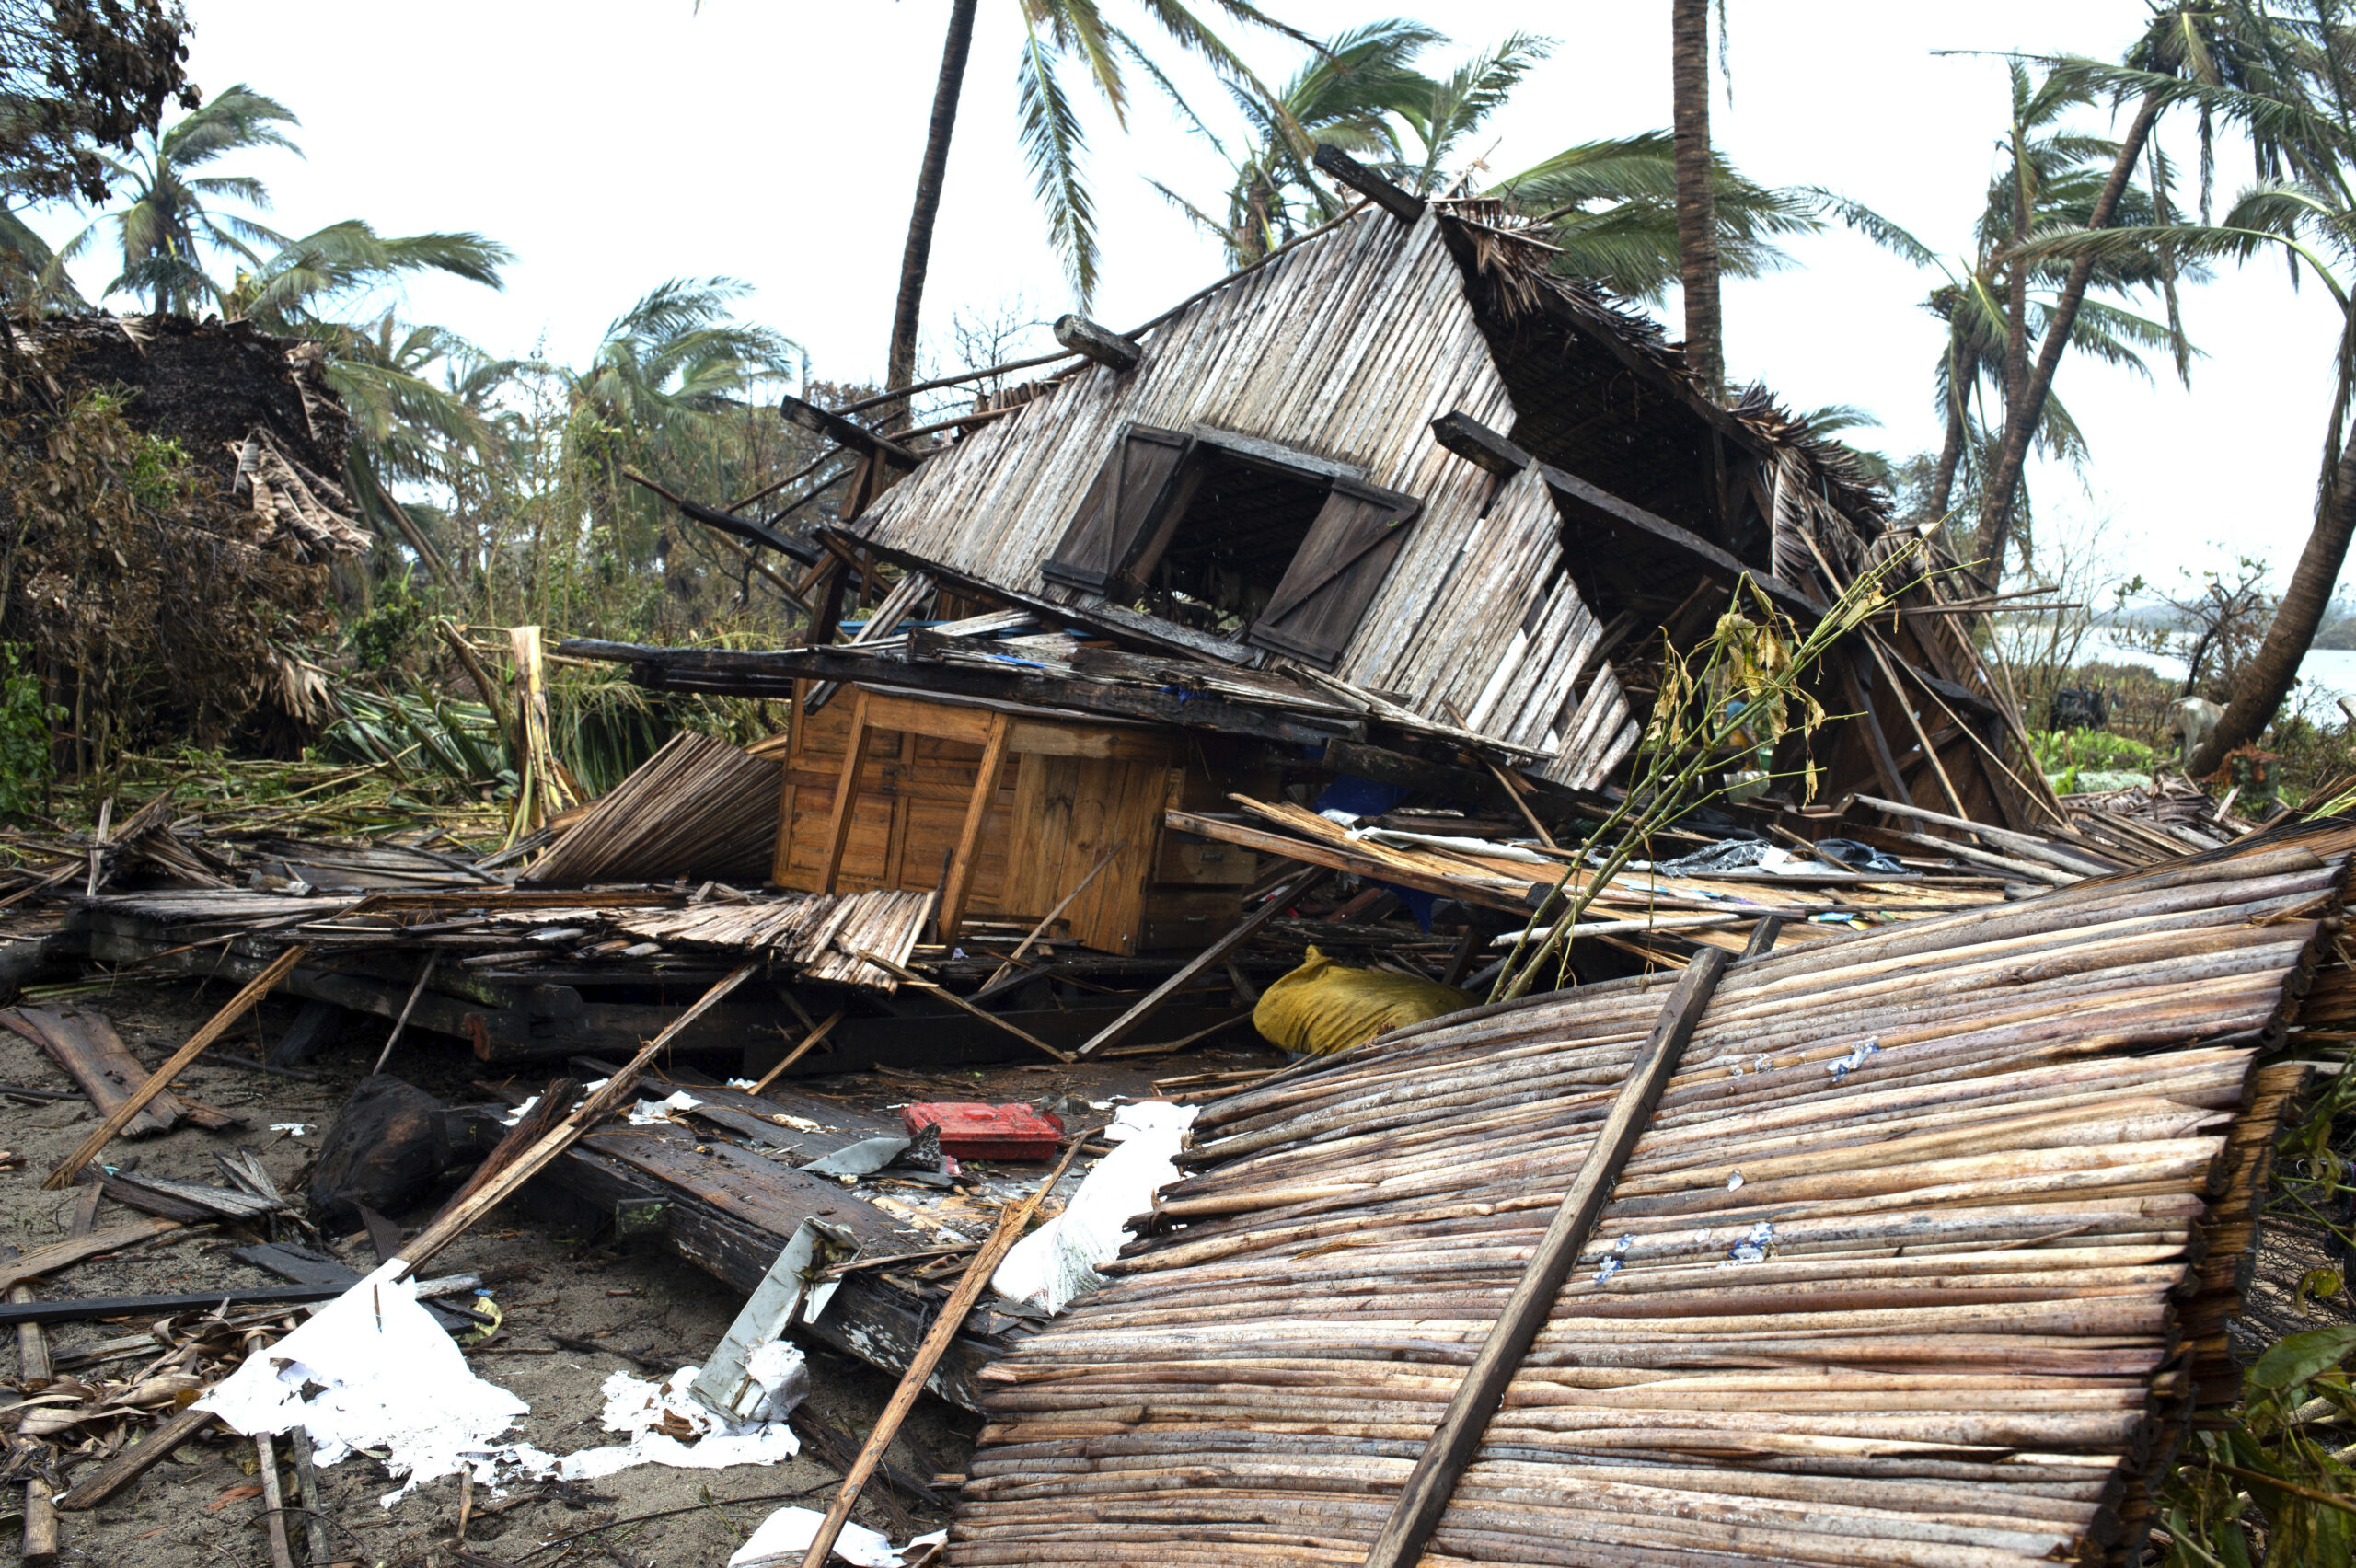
[(1361, 92), (2309, 218), (1612, 206), (171, 224), (2002, 299), (668, 390), (1055, 32), (1697, 224), (2191, 44)]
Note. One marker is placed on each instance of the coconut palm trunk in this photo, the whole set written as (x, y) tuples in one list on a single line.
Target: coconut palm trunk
[(2024, 409), (1951, 449), (1697, 219), (2268, 677), (901, 368)]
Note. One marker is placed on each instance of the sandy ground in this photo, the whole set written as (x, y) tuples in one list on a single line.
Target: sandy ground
[(635, 1297)]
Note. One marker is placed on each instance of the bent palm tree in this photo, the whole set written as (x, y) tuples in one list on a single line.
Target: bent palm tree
[(172, 225), (2294, 104), (668, 389), (2002, 303)]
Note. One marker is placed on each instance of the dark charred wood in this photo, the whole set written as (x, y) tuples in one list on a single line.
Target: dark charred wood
[(1345, 169), (1480, 445), (855, 436)]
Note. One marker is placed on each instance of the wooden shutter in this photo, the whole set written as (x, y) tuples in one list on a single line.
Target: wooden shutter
[(1335, 576), (1118, 510)]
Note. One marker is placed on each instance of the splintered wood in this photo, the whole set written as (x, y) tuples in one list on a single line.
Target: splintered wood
[(698, 808), (822, 935), (1924, 1257)]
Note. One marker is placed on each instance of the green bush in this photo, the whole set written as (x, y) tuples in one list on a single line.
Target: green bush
[(26, 726)]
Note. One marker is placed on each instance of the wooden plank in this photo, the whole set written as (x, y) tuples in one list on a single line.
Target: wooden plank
[(909, 977), (455, 1220), (846, 794), (1284, 845), (1429, 1485), (218, 1025), (62, 1254), (809, 1042), (1101, 344), (128, 1466), (1003, 1236), (1582, 502), (1210, 958), (86, 1046), (958, 883)]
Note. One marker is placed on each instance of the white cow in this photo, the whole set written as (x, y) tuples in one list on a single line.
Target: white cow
[(2194, 720)]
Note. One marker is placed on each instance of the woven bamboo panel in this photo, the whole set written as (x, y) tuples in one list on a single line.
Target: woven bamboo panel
[(1924, 1258)]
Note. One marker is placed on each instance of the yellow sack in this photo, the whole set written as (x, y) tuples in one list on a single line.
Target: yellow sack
[(1325, 1006)]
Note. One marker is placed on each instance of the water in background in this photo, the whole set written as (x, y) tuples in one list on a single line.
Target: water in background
[(2333, 669)]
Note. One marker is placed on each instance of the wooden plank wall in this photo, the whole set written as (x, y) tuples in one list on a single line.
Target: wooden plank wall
[(1350, 348), (913, 792), (1068, 794)]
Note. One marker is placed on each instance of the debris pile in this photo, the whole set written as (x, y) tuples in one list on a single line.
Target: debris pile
[(1277, 684)]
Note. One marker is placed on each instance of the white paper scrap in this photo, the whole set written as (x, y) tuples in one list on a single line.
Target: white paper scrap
[(649, 1112), (785, 1536), (372, 1370)]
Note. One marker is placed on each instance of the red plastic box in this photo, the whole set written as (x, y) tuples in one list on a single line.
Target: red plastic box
[(988, 1131)]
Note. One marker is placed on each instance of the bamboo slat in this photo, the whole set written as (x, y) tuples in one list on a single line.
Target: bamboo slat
[(1924, 1258)]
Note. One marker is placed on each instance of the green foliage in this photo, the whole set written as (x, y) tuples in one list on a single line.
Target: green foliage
[(2268, 1483), (388, 631), (430, 745), (2064, 755), (26, 719)]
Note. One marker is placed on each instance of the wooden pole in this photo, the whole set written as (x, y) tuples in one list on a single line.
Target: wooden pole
[(424, 976), (1011, 1224), (808, 1041), (136, 1460), (274, 1500), (1433, 1481), (909, 977), (306, 1484), (1050, 917), (1150, 1003), (41, 1515), (219, 1024), (455, 1221)]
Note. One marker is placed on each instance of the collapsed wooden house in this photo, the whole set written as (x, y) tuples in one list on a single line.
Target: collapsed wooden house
[(1400, 505)]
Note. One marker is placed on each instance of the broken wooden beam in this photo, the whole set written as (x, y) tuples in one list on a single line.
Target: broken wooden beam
[(745, 528), (1432, 1482), (1480, 445), (128, 1466), (218, 1025), (58, 1254), (1210, 957), (1101, 344), (1344, 169), (455, 1221), (857, 437), (1011, 1222)]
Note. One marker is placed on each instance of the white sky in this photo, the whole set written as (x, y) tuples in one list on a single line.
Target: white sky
[(614, 145)]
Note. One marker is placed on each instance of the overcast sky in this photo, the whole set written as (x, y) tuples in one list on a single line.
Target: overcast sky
[(613, 145)]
